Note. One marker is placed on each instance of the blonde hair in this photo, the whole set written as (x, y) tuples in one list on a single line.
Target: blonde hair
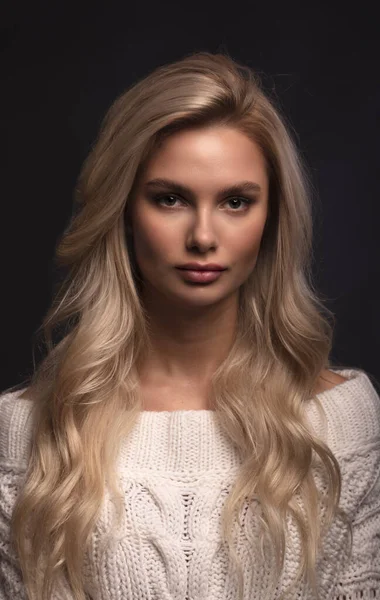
[(85, 392)]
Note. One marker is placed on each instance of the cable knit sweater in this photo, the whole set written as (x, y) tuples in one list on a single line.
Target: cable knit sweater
[(176, 469)]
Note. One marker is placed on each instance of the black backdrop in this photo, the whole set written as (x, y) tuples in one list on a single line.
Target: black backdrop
[(62, 65)]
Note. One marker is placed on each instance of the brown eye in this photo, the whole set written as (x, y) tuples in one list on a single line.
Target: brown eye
[(246, 201), (157, 199)]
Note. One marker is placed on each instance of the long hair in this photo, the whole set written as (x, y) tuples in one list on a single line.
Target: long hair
[(85, 391)]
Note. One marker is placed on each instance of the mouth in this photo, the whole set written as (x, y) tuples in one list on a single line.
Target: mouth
[(201, 275), (194, 265), (207, 268)]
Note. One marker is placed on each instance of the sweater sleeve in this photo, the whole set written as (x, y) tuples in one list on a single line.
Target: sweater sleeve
[(14, 450), (11, 583), (360, 576)]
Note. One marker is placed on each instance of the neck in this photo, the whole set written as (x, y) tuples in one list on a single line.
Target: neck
[(188, 344)]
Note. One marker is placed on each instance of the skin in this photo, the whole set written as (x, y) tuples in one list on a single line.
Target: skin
[(191, 325)]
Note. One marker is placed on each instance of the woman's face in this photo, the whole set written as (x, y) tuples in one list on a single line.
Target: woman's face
[(199, 222)]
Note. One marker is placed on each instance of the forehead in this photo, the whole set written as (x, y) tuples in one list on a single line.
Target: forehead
[(222, 152)]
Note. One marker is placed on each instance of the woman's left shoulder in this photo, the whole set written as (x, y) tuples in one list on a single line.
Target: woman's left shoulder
[(352, 410), (328, 380)]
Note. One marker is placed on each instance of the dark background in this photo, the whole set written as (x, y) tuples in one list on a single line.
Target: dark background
[(62, 65)]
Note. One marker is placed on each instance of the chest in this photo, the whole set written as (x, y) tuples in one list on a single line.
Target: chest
[(169, 397), (170, 545)]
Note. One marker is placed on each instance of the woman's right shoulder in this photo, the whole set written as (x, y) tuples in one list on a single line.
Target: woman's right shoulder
[(15, 428)]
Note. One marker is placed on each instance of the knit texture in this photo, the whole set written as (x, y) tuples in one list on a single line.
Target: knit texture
[(176, 468)]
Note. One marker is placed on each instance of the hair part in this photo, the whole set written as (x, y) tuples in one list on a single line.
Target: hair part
[(85, 392)]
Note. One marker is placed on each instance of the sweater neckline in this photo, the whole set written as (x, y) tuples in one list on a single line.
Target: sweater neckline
[(192, 444)]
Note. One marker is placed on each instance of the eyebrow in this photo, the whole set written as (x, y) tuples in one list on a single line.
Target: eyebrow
[(242, 186)]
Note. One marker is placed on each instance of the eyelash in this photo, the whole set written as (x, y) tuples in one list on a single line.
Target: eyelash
[(247, 201)]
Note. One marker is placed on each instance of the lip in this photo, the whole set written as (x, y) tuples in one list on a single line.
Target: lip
[(201, 276), (200, 267)]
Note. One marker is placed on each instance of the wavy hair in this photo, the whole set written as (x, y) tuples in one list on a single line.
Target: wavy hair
[(85, 391)]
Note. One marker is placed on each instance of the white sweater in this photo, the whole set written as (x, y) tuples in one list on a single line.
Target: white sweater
[(176, 468)]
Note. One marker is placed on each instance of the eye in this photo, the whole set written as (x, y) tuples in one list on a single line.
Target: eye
[(247, 201), (158, 198)]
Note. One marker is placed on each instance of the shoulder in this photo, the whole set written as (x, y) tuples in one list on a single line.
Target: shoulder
[(351, 410), (328, 380), (15, 429)]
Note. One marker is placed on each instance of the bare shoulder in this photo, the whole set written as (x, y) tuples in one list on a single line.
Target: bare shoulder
[(328, 380)]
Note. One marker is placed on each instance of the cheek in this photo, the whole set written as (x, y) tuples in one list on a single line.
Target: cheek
[(153, 242), (247, 245)]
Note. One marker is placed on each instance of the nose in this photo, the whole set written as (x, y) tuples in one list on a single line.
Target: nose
[(202, 233)]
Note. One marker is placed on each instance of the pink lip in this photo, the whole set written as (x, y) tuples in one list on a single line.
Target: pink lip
[(200, 276), (194, 266)]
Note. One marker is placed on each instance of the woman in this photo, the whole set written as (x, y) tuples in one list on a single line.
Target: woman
[(198, 401)]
